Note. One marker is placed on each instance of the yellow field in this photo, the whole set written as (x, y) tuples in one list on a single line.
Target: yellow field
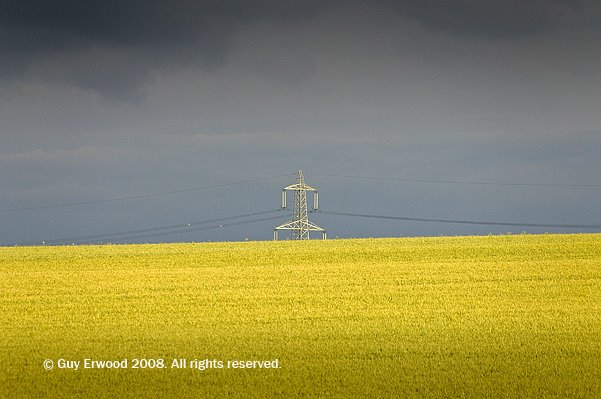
[(500, 316)]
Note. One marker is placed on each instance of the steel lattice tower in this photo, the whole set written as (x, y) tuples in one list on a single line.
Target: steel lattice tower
[(300, 226)]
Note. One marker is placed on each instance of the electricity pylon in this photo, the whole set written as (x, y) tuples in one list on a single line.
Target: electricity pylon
[(300, 224)]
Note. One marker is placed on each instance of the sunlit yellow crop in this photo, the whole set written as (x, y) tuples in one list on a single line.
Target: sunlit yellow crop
[(497, 316)]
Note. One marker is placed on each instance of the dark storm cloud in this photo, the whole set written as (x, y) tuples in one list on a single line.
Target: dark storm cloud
[(137, 22), (500, 19), (111, 46), (36, 26)]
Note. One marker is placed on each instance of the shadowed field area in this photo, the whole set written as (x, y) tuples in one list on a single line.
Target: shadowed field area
[(447, 316)]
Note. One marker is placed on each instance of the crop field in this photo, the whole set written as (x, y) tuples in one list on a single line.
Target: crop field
[(495, 316)]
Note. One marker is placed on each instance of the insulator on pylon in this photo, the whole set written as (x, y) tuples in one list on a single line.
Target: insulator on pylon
[(315, 201), (283, 199)]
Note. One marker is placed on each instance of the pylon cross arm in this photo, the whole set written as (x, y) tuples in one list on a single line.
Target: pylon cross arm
[(300, 187), (292, 225), (296, 225)]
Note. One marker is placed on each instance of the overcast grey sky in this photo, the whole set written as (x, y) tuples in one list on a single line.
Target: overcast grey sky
[(110, 99)]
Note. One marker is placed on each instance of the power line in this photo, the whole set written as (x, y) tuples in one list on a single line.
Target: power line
[(476, 222), (167, 227), (126, 234), (143, 195), (135, 237), (487, 183)]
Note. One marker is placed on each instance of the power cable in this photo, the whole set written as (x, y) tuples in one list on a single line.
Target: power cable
[(167, 227), (461, 181), (219, 226), (476, 222), (117, 235), (143, 195)]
